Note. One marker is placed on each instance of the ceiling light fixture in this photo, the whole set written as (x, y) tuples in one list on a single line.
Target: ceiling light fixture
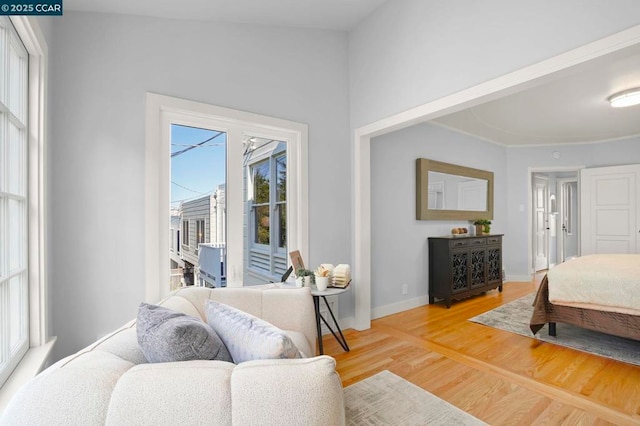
[(624, 99)]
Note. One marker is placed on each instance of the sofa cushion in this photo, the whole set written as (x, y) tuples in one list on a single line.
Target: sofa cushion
[(166, 336), (247, 337)]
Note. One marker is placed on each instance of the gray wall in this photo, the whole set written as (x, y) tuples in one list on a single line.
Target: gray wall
[(409, 52), (398, 240), (102, 68), (519, 160), (405, 54)]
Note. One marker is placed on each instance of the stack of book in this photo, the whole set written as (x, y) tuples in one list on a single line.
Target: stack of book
[(341, 276)]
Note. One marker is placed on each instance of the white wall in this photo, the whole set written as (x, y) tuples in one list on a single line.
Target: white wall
[(409, 52), (399, 241), (519, 160), (102, 68)]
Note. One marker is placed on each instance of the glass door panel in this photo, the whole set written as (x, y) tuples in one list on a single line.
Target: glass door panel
[(198, 227)]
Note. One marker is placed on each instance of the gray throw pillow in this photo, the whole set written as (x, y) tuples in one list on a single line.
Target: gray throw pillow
[(247, 337), (167, 336)]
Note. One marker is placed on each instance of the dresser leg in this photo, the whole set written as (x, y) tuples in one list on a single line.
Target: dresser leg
[(500, 288)]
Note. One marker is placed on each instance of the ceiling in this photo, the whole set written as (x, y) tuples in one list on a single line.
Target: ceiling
[(567, 108), (342, 15), (571, 108)]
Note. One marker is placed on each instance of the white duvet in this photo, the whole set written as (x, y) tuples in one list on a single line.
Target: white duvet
[(606, 282)]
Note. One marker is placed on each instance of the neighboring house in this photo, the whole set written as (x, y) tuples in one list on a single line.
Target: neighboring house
[(202, 245), (195, 224), (265, 220)]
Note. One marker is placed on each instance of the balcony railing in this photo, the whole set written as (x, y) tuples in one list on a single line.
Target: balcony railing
[(211, 264)]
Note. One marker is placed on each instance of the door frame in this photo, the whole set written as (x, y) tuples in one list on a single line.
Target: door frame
[(533, 208), (531, 172), (528, 76), (160, 112)]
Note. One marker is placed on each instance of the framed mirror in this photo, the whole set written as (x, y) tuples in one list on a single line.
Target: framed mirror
[(450, 192)]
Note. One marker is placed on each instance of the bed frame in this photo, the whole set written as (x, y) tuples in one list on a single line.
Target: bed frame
[(622, 325)]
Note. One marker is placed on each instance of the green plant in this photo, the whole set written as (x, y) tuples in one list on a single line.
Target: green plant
[(304, 273), (485, 223), (301, 273)]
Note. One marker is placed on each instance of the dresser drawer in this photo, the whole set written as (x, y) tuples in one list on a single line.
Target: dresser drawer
[(459, 243), (478, 241), (494, 240)]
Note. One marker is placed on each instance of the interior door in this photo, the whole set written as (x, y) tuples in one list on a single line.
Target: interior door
[(541, 235), (609, 216)]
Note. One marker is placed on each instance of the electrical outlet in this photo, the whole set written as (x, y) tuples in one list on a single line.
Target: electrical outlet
[(405, 288)]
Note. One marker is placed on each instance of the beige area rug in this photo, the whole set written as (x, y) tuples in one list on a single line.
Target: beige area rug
[(515, 316), (386, 399)]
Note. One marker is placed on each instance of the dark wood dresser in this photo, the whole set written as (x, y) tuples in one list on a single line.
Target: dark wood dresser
[(460, 267)]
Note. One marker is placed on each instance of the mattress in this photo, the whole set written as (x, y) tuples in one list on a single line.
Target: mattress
[(607, 282)]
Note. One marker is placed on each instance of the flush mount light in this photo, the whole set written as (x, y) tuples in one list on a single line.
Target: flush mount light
[(624, 99)]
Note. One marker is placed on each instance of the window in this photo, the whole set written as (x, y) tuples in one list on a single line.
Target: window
[(14, 272), (260, 204), (165, 111), (200, 231), (266, 161), (281, 200), (185, 233)]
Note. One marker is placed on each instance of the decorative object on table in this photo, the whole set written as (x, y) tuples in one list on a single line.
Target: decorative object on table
[(322, 276), (296, 260), (459, 232), (341, 276), (483, 226), (386, 398), (304, 277)]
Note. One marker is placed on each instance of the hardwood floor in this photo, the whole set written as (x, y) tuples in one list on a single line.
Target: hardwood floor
[(500, 377)]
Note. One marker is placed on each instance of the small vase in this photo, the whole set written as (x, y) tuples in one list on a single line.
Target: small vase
[(479, 230), (300, 282), (322, 283), (307, 281)]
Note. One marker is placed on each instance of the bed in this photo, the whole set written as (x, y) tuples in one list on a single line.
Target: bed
[(598, 292)]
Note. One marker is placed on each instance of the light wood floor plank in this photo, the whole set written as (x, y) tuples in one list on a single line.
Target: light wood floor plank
[(500, 377)]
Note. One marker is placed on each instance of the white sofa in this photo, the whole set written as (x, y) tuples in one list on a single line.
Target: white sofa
[(110, 382)]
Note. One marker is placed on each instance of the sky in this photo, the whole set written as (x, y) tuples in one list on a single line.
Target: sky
[(197, 171)]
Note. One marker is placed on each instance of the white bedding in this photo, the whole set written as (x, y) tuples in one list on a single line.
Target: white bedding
[(608, 282)]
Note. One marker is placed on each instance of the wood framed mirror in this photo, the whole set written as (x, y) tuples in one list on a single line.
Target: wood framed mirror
[(451, 192)]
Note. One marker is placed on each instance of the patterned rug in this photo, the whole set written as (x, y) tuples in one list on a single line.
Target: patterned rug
[(515, 316), (386, 399)]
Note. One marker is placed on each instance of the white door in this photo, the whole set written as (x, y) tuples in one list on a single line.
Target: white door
[(472, 195), (610, 206), (540, 231)]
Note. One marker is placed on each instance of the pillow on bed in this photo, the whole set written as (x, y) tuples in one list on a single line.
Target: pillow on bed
[(167, 336), (248, 337)]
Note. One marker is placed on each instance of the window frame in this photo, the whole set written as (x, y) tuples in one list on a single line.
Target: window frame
[(272, 249), (185, 233), (161, 112), (40, 343)]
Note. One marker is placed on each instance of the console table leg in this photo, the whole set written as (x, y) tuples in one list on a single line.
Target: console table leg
[(316, 304)]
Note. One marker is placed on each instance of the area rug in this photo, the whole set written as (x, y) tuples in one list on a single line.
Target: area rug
[(387, 399), (515, 316)]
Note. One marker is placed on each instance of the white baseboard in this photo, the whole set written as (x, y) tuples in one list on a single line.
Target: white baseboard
[(519, 278), (394, 308)]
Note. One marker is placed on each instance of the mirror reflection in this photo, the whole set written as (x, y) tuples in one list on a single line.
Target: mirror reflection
[(454, 192), (447, 191)]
